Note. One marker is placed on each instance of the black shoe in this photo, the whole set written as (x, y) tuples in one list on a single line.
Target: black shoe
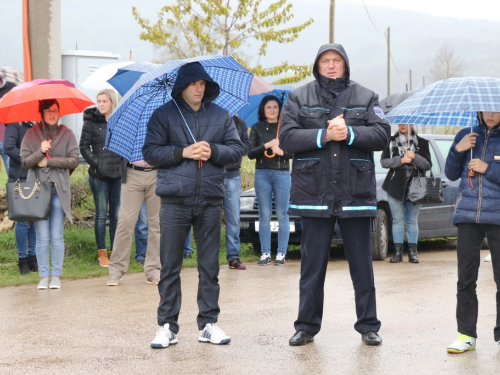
[(371, 338), (398, 253), (24, 267), (33, 263), (188, 256), (140, 261), (412, 253), (300, 338)]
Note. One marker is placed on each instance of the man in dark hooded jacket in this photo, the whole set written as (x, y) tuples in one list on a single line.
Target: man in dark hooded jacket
[(191, 140), (332, 126)]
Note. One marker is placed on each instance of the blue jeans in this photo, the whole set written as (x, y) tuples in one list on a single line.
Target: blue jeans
[(232, 217), (267, 183), (106, 192), (25, 238), (141, 235), (4, 157), (404, 213), (50, 231)]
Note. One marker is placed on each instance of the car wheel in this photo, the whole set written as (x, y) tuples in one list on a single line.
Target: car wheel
[(380, 237)]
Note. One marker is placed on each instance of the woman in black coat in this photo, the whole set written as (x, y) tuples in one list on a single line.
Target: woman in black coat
[(407, 156), (24, 231), (104, 170)]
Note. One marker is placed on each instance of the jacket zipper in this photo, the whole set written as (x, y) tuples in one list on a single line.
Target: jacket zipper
[(198, 175), (393, 174), (458, 201), (480, 197)]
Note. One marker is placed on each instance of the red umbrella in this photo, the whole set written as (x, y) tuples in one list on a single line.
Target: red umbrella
[(21, 103)]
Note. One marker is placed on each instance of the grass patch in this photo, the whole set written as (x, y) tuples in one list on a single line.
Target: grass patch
[(80, 261)]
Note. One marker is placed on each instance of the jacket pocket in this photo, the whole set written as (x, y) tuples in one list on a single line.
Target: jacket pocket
[(355, 116), (313, 117), (362, 178), (305, 180)]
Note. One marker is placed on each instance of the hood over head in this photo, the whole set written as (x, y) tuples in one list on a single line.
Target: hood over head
[(192, 72), (333, 47)]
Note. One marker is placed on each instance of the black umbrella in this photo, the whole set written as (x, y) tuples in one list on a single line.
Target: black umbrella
[(394, 100)]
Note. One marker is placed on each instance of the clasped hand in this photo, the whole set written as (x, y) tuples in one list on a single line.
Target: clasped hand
[(408, 158), (477, 165), (467, 142), (197, 151), (337, 129)]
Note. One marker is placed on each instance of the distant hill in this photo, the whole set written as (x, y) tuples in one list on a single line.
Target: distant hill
[(415, 38)]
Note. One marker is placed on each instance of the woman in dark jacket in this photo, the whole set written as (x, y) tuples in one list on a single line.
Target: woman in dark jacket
[(272, 176), (407, 156), (24, 230), (104, 170)]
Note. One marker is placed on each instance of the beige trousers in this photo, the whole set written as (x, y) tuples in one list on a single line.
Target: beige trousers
[(140, 187)]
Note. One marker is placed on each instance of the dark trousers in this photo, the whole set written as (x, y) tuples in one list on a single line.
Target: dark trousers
[(469, 239), (175, 223), (316, 243)]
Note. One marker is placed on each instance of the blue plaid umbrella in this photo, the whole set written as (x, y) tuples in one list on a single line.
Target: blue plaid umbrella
[(450, 102), (249, 112), (127, 125)]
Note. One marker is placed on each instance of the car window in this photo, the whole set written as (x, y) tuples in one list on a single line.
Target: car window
[(444, 146), (436, 170), (378, 167)]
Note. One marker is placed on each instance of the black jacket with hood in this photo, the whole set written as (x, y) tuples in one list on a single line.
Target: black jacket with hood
[(180, 181), (241, 126), (333, 178), (103, 163)]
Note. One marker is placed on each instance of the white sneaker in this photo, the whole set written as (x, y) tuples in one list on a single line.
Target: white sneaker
[(488, 258), (213, 334), (462, 344), (264, 260), (164, 337), (280, 259)]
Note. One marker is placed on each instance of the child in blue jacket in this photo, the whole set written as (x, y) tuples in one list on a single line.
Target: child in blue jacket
[(477, 213)]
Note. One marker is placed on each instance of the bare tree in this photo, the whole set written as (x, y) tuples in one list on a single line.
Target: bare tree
[(447, 64)]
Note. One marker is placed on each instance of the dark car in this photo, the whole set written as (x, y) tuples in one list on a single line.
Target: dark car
[(434, 219)]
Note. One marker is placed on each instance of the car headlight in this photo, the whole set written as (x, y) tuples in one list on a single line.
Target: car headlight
[(246, 203)]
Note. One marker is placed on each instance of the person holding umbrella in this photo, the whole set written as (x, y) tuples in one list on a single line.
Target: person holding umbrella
[(407, 156), (190, 140), (477, 213), (53, 149)]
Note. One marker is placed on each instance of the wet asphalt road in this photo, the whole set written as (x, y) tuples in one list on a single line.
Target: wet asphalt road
[(90, 328)]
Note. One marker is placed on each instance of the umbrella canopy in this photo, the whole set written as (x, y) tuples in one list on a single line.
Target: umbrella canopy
[(393, 100), (128, 75), (127, 125), (98, 80), (259, 86), (21, 103), (12, 75), (450, 102), (249, 113)]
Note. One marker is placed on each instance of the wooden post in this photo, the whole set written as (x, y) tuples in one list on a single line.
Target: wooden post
[(332, 21), (388, 61)]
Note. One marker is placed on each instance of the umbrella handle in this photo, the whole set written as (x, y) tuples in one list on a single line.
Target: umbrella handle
[(272, 155)]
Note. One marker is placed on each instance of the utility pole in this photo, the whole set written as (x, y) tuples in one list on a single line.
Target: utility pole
[(410, 81), (388, 61), (332, 23)]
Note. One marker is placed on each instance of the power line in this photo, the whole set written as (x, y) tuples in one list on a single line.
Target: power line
[(384, 34)]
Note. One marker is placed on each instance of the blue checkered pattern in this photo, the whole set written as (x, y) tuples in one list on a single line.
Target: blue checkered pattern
[(450, 102), (127, 125)]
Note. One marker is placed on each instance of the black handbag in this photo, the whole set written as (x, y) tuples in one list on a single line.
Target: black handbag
[(425, 190), (29, 201)]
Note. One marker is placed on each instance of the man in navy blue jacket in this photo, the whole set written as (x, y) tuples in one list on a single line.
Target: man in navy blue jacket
[(191, 140), (332, 125)]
